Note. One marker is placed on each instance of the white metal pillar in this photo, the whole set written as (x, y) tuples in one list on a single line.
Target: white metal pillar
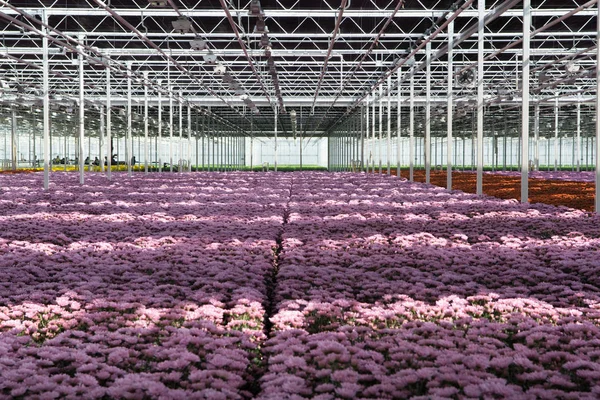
[(101, 139), (170, 128), (367, 159), (597, 195), (13, 138), (158, 156), (389, 125), (81, 115), (380, 128), (578, 138), (180, 161), (129, 136), (399, 125), (411, 129), (275, 118), (480, 103), (108, 127), (189, 129), (374, 136), (556, 134), (46, 109), (145, 122), (525, 103), (536, 137), (362, 139), (252, 153), (427, 142), (449, 106), (66, 143), (199, 128)]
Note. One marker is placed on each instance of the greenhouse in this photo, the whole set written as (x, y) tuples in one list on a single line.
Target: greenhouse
[(284, 199)]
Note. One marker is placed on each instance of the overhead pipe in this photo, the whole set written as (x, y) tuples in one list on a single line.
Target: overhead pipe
[(543, 28), (338, 22), (537, 31), (420, 46), (157, 48), (360, 62), (111, 64), (467, 34), (243, 46), (176, 9), (254, 71)]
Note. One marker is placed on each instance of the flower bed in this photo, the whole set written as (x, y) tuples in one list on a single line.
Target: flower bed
[(393, 290), (300, 285), (143, 287)]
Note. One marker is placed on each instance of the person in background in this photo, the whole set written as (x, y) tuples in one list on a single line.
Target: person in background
[(133, 161)]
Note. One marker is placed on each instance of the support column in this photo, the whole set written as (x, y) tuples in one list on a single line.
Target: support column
[(536, 137), (129, 135), (597, 195), (189, 129), (252, 153), (427, 141), (411, 129), (300, 134), (449, 106), (504, 144), (380, 147), (480, 104), (13, 139), (362, 140), (108, 127), (389, 125), (46, 100), (66, 147), (145, 122), (101, 139), (204, 131), (399, 125), (81, 115), (368, 144), (159, 158), (578, 138), (374, 136), (276, 128), (525, 103), (212, 164), (170, 128), (180, 161), (199, 127)]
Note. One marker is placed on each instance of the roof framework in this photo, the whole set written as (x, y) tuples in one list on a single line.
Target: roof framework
[(323, 59)]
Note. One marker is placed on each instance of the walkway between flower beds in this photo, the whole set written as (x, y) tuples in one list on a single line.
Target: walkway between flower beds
[(372, 287)]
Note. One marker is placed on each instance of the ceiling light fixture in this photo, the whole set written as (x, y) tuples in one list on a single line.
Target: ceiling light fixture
[(157, 3), (210, 57), (182, 25), (198, 44), (256, 9)]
